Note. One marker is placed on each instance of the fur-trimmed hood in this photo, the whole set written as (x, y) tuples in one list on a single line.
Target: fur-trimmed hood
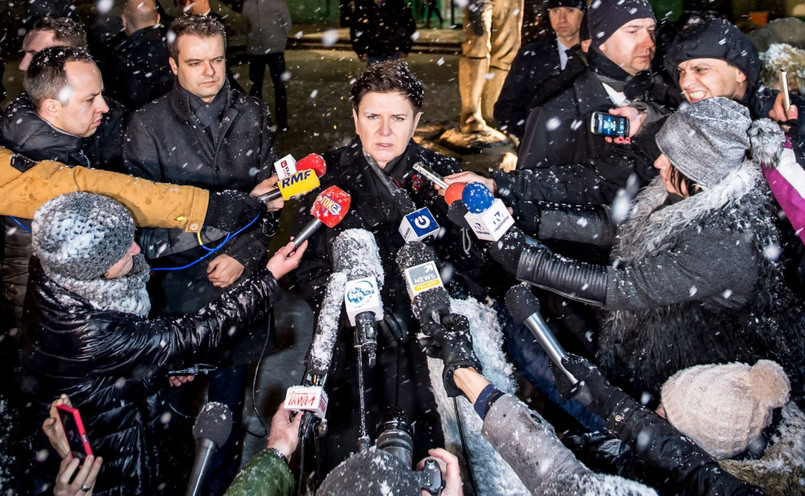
[(781, 469), (767, 140)]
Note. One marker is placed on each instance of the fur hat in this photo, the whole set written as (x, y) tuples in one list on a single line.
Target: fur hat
[(715, 39), (81, 235), (706, 140), (372, 473), (604, 17), (725, 407)]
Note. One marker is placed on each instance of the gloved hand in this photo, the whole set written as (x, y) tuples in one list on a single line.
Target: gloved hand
[(592, 390), (451, 341), (528, 214), (230, 210), (507, 250)]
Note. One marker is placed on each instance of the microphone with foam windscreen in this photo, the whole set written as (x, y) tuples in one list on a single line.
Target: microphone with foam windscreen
[(330, 208), (300, 182), (524, 307), (211, 430), (429, 298), (454, 192), (488, 216)]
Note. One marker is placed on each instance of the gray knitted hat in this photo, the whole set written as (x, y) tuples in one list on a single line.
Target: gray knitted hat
[(81, 235), (604, 17), (706, 140)]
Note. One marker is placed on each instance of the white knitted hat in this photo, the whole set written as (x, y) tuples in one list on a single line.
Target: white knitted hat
[(725, 407)]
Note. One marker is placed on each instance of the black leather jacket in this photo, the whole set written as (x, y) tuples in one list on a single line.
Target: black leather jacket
[(113, 366)]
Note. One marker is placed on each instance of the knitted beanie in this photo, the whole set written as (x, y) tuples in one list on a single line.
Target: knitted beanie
[(81, 235), (724, 407), (576, 4), (706, 140), (604, 17), (715, 39), (372, 473)]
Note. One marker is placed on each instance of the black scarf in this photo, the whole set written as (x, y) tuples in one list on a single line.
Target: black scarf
[(607, 71), (208, 114)]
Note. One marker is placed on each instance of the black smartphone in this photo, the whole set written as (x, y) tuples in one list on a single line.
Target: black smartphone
[(604, 124), (74, 430)]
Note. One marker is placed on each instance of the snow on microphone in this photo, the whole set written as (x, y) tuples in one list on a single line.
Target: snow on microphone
[(362, 295), (421, 278), (488, 217)]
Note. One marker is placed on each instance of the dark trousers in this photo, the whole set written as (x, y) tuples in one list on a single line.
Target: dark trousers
[(276, 66)]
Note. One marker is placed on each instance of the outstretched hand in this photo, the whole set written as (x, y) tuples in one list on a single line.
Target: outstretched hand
[(452, 342), (591, 390), (82, 484), (286, 259), (284, 434), (451, 472), (54, 430)]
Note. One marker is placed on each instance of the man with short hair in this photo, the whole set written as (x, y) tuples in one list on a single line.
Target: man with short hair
[(48, 32), (622, 33), (538, 62), (203, 133), (142, 70)]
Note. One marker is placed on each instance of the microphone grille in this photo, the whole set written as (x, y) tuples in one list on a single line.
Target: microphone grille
[(521, 303), (413, 254), (214, 422), (355, 252)]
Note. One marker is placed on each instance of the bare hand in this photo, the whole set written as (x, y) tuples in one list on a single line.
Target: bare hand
[(264, 187), (284, 434), (777, 113), (85, 478), (451, 474), (223, 271), (178, 380), (470, 177), (285, 260), (54, 429)]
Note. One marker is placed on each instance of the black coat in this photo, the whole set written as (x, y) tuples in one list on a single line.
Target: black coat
[(535, 76), (137, 69), (400, 377), (165, 143), (113, 366), (382, 30)]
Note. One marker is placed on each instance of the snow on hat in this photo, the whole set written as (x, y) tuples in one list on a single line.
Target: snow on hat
[(576, 4), (725, 407), (715, 39), (706, 140), (604, 17), (81, 235), (372, 473)]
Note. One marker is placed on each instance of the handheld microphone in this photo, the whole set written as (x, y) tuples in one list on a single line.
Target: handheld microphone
[(211, 430), (285, 166), (524, 307), (488, 217), (454, 192), (330, 208), (430, 174), (303, 180), (457, 213), (429, 299)]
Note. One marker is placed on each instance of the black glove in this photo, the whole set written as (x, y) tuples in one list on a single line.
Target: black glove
[(507, 250), (592, 390), (528, 215), (230, 210), (451, 341)]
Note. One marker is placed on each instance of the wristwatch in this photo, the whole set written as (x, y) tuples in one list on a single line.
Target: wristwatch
[(279, 453)]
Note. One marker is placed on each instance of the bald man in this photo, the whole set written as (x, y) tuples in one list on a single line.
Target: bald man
[(143, 72)]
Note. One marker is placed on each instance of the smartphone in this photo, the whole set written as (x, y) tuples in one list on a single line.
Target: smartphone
[(604, 124), (75, 432), (430, 174), (786, 97)]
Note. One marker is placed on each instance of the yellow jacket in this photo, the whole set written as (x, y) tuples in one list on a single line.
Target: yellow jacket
[(25, 185)]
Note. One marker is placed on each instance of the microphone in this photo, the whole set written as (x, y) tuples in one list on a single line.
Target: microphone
[(457, 213), (417, 224), (524, 307), (429, 299), (488, 217), (211, 430), (303, 180), (430, 174), (285, 166), (454, 192), (330, 208)]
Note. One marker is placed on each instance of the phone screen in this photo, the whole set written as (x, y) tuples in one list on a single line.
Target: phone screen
[(74, 430), (610, 125)]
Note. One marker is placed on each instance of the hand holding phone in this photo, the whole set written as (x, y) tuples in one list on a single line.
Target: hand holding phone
[(603, 124), (74, 430)]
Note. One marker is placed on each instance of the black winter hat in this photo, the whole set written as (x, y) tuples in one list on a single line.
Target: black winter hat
[(576, 4), (81, 235), (714, 39), (604, 17)]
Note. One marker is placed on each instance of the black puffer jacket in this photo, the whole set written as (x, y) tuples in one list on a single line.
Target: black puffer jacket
[(113, 366)]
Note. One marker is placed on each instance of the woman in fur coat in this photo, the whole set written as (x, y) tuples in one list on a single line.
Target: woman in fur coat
[(696, 276)]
